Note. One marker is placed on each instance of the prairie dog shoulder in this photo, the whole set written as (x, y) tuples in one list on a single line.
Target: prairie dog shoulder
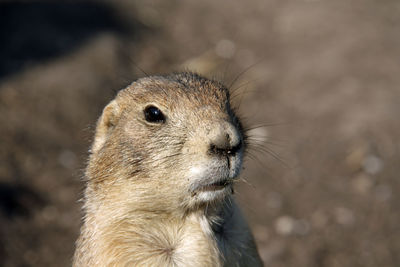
[(160, 178)]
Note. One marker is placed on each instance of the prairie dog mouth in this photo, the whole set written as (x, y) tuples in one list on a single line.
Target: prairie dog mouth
[(219, 185)]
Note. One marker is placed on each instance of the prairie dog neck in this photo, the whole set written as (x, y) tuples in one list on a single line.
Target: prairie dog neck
[(140, 238)]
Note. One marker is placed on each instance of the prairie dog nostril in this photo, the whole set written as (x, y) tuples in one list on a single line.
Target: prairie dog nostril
[(225, 146), (222, 141), (235, 148)]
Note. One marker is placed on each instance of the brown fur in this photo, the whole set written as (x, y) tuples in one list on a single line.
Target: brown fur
[(143, 201)]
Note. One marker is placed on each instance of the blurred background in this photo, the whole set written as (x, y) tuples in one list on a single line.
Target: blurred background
[(321, 79)]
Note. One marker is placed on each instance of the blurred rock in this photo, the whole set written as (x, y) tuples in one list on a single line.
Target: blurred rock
[(344, 216), (356, 156), (372, 164), (284, 225), (362, 183), (301, 227)]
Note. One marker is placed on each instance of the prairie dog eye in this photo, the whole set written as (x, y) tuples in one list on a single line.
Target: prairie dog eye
[(153, 114)]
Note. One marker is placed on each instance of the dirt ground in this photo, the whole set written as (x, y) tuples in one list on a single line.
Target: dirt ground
[(320, 77)]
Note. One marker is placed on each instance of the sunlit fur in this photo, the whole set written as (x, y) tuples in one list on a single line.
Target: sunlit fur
[(143, 203)]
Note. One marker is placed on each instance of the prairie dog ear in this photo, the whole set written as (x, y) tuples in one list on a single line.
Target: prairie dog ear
[(105, 124)]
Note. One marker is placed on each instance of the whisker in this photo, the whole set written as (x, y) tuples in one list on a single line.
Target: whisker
[(242, 94), (255, 141), (255, 158), (124, 54), (244, 71), (244, 180), (265, 125), (271, 153), (234, 90), (236, 93)]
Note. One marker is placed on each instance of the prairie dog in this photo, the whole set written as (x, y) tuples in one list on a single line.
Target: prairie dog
[(160, 177)]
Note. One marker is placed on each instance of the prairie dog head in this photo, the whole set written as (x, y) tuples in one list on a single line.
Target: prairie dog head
[(172, 141)]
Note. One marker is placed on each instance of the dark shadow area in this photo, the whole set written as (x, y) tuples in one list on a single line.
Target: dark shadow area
[(18, 200), (34, 32)]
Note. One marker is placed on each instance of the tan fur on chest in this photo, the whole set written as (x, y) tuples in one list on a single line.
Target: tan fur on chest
[(154, 243)]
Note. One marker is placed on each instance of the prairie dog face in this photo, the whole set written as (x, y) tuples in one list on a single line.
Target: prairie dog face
[(174, 136)]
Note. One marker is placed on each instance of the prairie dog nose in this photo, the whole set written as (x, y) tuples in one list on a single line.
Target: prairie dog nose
[(225, 140)]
